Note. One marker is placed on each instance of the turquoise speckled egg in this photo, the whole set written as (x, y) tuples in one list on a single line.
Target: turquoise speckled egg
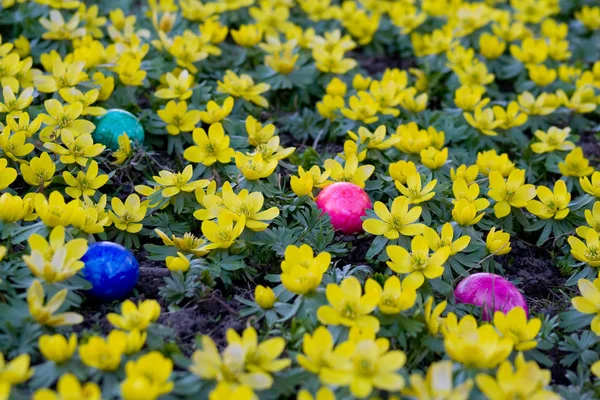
[(112, 125)]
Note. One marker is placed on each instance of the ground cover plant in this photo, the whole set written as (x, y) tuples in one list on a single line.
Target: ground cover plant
[(470, 125)]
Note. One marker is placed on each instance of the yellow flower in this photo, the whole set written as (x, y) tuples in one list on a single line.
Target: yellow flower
[(244, 86), (228, 367), (544, 104), (551, 204), (223, 233), (304, 183), (247, 35), (582, 101), (15, 146), (178, 86), (13, 105), (104, 354), (186, 244), (413, 102), (58, 29), (257, 133), (76, 149), (433, 158), (124, 151), (588, 252), (490, 46), (85, 183), (329, 106), (16, 371), (147, 377), (324, 393), (106, 83), (248, 205), (591, 185), (401, 170), (509, 192), (374, 140), (226, 391), (498, 243), (264, 297), (362, 107), (419, 264), (541, 75), (7, 175), (211, 147), (39, 171), (333, 61), (465, 213), (491, 161), (484, 121), (126, 217), (282, 62), (469, 98), (510, 117), (178, 118), (445, 239), (54, 211), (592, 217), (589, 301), (348, 306), (438, 384), (301, 271), (45, 314), (371, 365), (414, 191), (130, 72), (178, 263), (515, 326), (433, 317), (412, 140), (72, 95), (554, 139), (473, 346), (57, 348), (255, 167), (589, 17), (395, 297), (55, 261), (135, 317), (525, 381), (260, 357), (575, 164), (531, 51), (13, 208), (398, 220), (29, 128), (61, 119), (317, 350), (174, 183), (69, 387), (214, 113), (350, 172)]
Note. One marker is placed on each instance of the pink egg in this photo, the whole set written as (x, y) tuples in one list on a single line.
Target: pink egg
[(345, 203), (491, 292)]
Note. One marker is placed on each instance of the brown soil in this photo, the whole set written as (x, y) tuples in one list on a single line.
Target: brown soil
[(211, 315)]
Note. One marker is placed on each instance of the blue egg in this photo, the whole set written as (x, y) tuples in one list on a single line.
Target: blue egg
[(111, 269)]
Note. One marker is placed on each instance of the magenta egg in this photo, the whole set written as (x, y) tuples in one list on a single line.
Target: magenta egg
[(345, 203), (490, 292)]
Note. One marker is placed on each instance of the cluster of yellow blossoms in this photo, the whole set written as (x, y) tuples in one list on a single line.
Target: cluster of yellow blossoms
[(470, 133)]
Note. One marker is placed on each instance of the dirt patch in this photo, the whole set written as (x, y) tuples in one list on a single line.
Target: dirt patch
[(590, 146), (356, 252), (211, 315), (537, 277), (379, 63)]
